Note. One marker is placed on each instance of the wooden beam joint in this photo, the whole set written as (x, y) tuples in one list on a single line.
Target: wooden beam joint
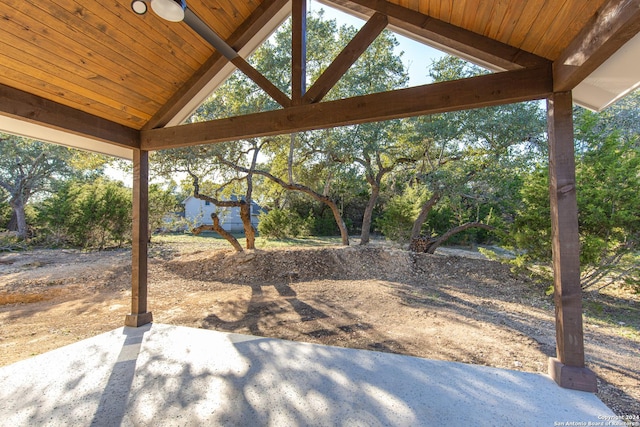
[(615, 24)]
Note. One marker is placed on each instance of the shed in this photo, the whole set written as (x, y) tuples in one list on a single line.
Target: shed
[(198, 212)]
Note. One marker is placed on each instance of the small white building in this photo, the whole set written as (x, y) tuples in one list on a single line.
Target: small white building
[(198, 212)]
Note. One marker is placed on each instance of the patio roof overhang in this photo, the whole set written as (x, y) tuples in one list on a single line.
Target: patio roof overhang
[(104, 73), (97, 76)]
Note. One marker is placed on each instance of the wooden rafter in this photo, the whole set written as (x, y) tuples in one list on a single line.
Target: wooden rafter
[(34, 109), (465, 42), (346, 58), (264, 13), (262, 82), (614, 25), (298, 50), (202, 29), (482, 91)]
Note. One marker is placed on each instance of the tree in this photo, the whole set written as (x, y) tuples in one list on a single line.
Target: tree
[(376, 149), (238, 95), (28, 168), (607, 164), (470, 159), (200, 162), (89, 214)]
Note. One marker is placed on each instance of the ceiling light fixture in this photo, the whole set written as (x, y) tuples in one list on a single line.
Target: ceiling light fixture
[(139, 7), (171, 10)]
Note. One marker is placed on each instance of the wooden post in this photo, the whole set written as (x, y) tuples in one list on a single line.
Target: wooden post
[(139, 315), (567, 369), (298, 50)]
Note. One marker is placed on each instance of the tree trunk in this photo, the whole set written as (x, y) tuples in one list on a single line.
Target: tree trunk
[(218, 229), (368, 214), (249, 231), (344, 235), (430, 245), (303, 189), (12, 225), (422, 217), (21, 218)]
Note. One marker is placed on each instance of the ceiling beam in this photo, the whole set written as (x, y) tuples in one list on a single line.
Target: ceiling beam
[(36, 110), (264, 13), (617, 22), (482, 91), (345, 59), (456, 40)]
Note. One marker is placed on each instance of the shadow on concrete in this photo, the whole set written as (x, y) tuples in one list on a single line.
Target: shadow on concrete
[(194, 377), (113, 402)]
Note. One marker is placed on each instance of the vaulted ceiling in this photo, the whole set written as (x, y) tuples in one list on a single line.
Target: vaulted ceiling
[(100, 72)]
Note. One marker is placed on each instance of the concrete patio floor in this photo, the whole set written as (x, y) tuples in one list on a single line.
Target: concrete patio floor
[(161, 375)]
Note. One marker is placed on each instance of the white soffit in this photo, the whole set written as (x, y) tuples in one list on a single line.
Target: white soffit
[(43, 133), (618, 76)]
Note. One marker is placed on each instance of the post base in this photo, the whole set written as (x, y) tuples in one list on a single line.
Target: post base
[(137, 320), (573, 377)]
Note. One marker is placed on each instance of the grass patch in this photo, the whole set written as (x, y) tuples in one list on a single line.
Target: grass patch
[(212, 240)]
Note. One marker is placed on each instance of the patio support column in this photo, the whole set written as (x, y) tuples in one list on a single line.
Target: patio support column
[(567, 369), (140, 237)]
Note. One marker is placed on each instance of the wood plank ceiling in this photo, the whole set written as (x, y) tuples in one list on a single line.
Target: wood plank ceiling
[(541, 27), (100, 58)]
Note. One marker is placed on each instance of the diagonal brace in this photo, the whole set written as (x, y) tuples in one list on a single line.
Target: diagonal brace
[(349, 55), (203, 30)]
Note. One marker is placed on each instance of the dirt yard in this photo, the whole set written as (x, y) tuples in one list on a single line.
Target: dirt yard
[(443, 306)]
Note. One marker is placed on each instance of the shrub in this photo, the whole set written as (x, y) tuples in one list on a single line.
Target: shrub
[(281, 224), (397, 220), (89, 215)]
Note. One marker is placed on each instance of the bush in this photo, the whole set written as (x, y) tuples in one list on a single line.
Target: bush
[(397, 219), (281, 224), (88, 215)]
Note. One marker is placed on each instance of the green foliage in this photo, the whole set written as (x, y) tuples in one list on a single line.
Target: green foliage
[(531, 230), (607, 164), (399, 214), (5, 213), (88, 215), (30, 169), (472, 159), (325, 224), (282, 224), (162, 204)]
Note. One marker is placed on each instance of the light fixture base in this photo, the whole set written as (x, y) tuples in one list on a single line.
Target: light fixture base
[(170, 10), (139, 7)]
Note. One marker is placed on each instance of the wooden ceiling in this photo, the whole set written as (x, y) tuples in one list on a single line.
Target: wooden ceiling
[(541, 27), (95, 64)]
